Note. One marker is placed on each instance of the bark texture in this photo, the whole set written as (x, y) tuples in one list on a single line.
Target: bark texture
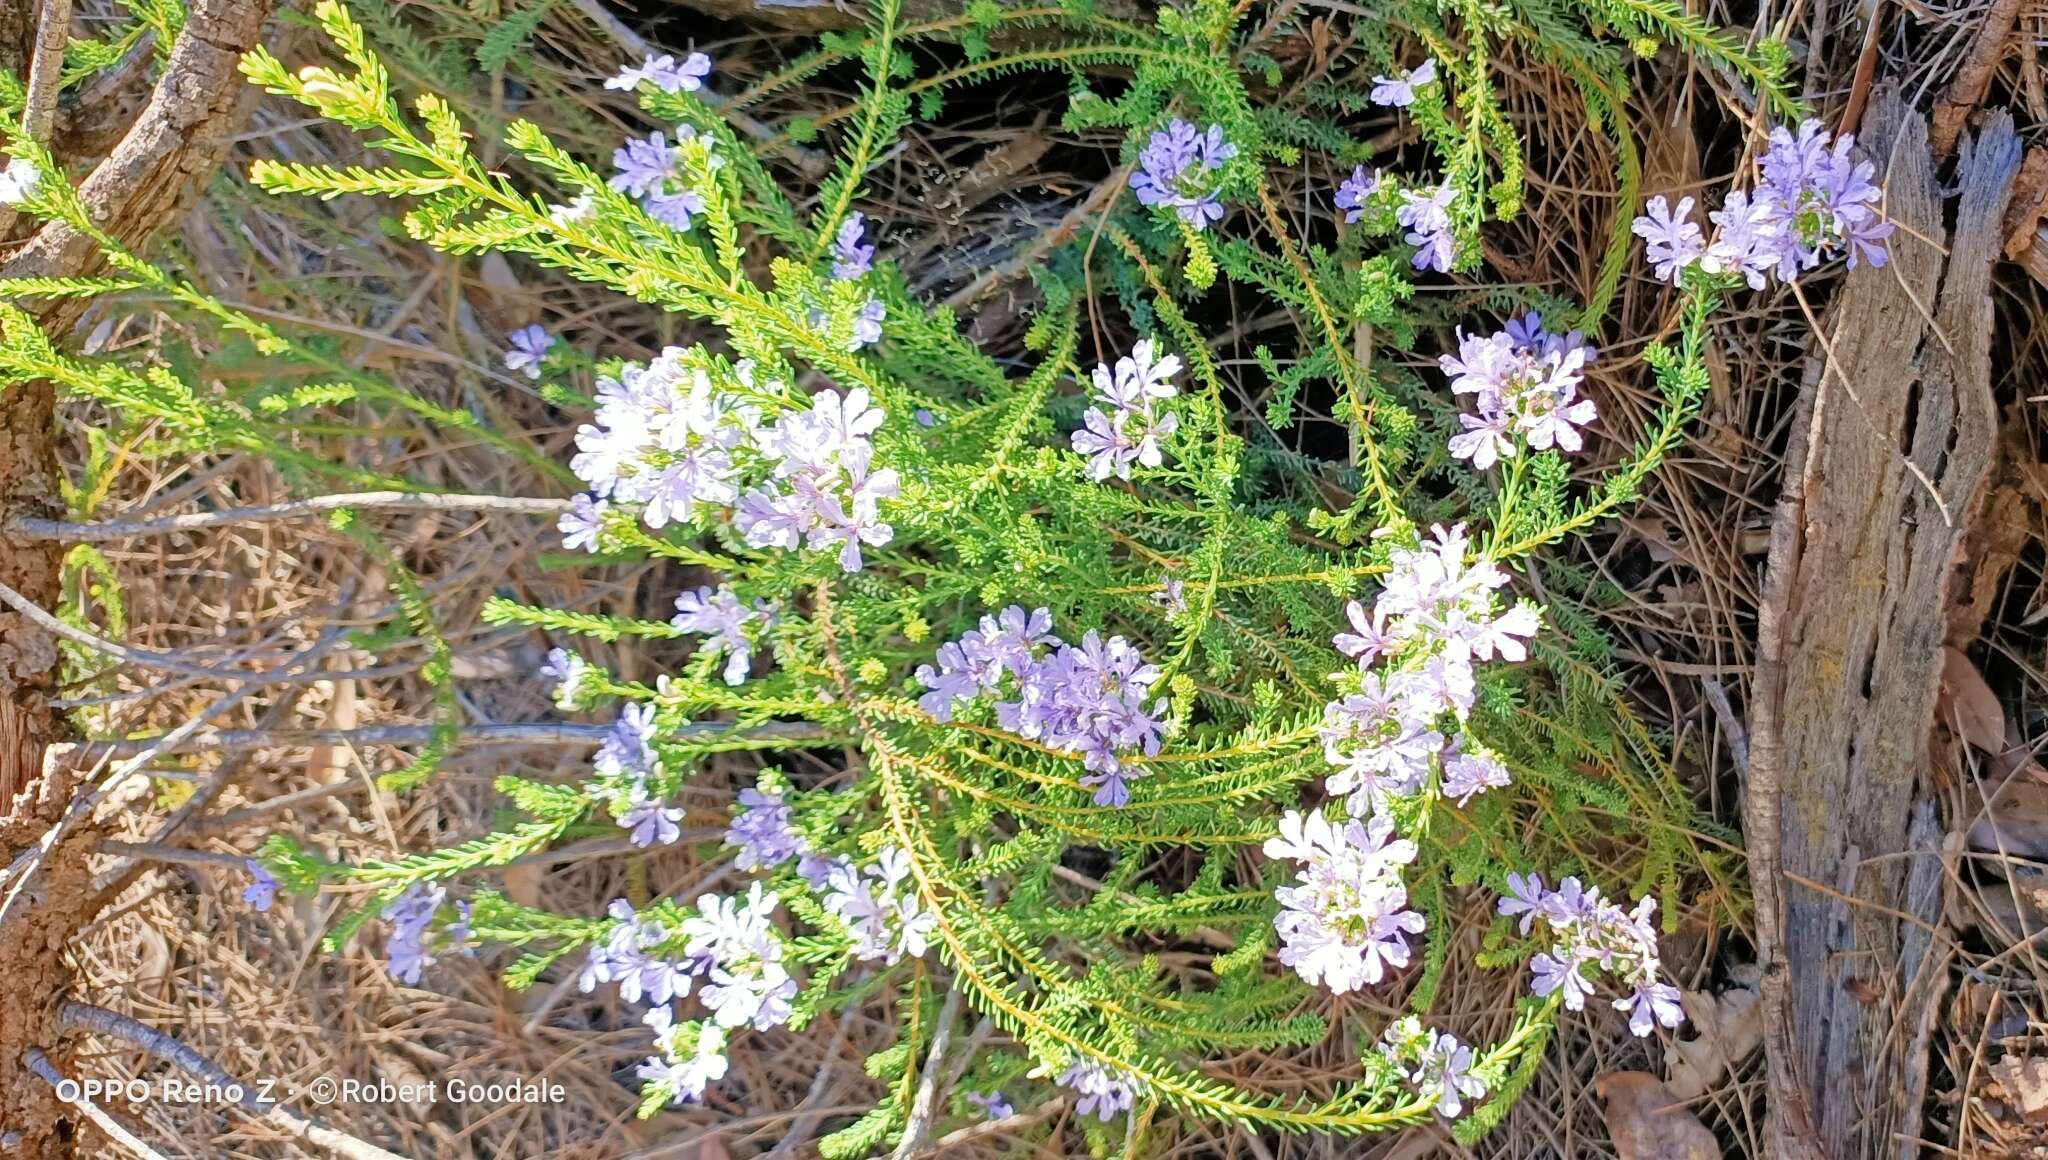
[(178, 140), (1886, 474)]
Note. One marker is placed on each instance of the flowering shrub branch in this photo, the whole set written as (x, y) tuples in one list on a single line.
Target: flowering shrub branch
[(1072, 608)]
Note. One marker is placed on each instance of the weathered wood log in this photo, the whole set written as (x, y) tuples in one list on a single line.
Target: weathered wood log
[(1886, 472)]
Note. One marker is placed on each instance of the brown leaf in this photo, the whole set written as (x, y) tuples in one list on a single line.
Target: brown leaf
[(1968, 703), (1646, 1122), (1729, 1027), (2025, 1080)]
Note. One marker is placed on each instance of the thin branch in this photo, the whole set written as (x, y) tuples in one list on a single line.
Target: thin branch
[(115, 1130), (768, 735), (68, 533), (926, 1104), (86, 1017), (46, 72), (121, 652)]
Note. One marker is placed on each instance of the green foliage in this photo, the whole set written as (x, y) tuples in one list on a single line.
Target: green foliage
[(1230, 562)]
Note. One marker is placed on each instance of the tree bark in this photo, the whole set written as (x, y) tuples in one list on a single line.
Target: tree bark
[(179, 139), (1885, 478)]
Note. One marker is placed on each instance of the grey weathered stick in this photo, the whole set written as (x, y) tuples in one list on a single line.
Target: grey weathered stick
[(40, 1064), (766, 736), (86, 1017), (67, 533), (926, 1103)]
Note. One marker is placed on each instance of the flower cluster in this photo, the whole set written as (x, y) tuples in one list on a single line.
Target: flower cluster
[(1434, 616), (728, 945), (881, 907), (1588, 932), (1126, 427), (651, 170), (668, 437), (1813, 201), (1436, 1064), (410, 949), (1426, 215), (1346, 921), (1088, 699), (1525, 381), (1101, 1091), (627, 767), (1177, 170)]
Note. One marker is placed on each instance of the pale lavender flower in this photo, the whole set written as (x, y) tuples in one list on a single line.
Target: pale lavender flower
[(867, 325), (1101, 1091), (1444, 1070), (1368, 639), (1823, 199), (1128, 432), (1672, 242), (994, 1105), (765, 832), (1427, 218), (1588, 933), (408, 951), (644, 164), (261, 892), (675, 210), (1398, 91), (627, 749), (529, 348), (1468, 773), (687, 1063), (1356, 191), (850, 258), (1750, 241), (1176, 170), (730, 624), (881, 907), (651, 823), (1345, 923), (1653, 1004), (582, 522), (665, 74), (1380, 739)]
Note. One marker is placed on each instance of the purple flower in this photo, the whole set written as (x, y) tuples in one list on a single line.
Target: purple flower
[(995, 1105), (626, 750), (1652, 1004), (1427, 218), (867, 325), (1176, 171), (1673, 242), (651, 823), (1356, 191), (1345, 923), (1822, 200), (718, 614), (1368, 640), (530, 346), (580, 524), (674, 210), (1398, 91), (261, 892), (1525, 897), (764, 831), (1130, 430), (851, 259), (1467, 774), (411, 914), (1103, 1091), (665, 74), (645, 165)]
